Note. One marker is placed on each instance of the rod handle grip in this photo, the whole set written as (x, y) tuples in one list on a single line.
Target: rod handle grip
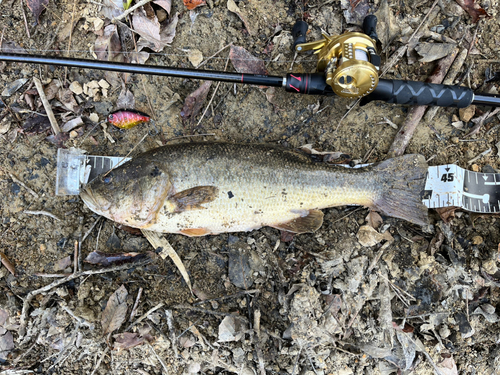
[(420, 93)]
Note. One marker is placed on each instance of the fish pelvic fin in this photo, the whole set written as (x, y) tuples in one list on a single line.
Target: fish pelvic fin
[(402, 181), (308, 223)]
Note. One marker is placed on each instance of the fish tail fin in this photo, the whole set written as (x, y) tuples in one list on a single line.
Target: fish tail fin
[(402, 181)]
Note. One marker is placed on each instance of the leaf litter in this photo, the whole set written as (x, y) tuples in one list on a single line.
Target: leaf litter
[(115, 312)]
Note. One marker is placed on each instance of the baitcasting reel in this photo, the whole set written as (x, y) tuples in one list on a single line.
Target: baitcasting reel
[(349, 61)]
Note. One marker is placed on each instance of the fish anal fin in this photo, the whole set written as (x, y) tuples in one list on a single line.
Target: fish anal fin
[(193, 198), (310, 222), (195, 232)]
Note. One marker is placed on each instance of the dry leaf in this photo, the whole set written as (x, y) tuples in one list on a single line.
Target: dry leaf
[(115, 312), (52, 88), (374, 220), (37, 124), (37, 7), (6, 343), (448, 366), (434, 51), (447, 213), (239, 271), (12, 47), (108, 46), (474, 9), (112, 8), (355, 11), (70, 125), (107, 259), (66, 97), (194, 102), (127, 340), (62, 264), (244, 62), (148, 28), (387, 28), (195, 57), (165, 4), (191, 4), (367, 236), (228, 329), (167, 34), (125, 99), (167, 250), (232, 7)]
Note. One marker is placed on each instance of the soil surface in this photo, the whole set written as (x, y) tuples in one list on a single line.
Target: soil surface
[(417, 300)]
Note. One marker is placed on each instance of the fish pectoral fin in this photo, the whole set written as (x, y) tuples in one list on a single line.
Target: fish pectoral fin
[(192, 199), (195, 232), (305, 224)]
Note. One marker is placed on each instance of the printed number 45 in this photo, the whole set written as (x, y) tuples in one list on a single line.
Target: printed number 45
[(447, 177)]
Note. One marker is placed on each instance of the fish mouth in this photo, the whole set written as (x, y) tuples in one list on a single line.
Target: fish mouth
[(88, 198)]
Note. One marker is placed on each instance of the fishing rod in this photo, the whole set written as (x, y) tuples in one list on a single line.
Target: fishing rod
[(348, 66)]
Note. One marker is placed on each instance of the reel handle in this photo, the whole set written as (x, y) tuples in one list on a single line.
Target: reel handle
[(299, 32), (420, 93), (370, 26)]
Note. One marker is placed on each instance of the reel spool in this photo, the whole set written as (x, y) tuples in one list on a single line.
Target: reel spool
[(349, 61)]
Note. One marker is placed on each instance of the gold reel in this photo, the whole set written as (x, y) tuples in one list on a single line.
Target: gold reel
[(349, 61)]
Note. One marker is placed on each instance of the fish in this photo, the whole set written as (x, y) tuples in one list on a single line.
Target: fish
[(198, 189), (127, 118)]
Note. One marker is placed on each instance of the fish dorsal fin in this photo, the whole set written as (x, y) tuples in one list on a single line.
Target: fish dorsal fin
[(192, 199), (310, 222)]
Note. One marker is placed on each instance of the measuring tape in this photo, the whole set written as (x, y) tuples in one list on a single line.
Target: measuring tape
[(445, 185)]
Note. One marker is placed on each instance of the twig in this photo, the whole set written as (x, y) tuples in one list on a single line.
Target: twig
[(215, 54), (46, 288), (80, 321), (29, 212), (7, 263), (46, 105), (75, 257), (100, 360), (126, 156), (90, 229), (377, 256), (136, 304), (171, 330), (144, 316), (25, 21), (256, 327), (19, 182), (159, 359), (235, 295), (213, 96), (405, 133), (70, 38), (130, 10)]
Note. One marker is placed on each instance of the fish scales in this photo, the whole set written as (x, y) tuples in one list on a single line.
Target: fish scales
[(210, 188)]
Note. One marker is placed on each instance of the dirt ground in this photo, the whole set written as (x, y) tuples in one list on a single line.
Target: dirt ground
[(310, 305)]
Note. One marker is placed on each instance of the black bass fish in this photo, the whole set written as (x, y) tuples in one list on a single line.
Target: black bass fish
[(198, 189)]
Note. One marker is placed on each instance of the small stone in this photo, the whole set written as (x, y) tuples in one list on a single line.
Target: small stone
[(43, 247), (73, 134), (490, 266), (455, 140), (475, 168), (94, 117), (454, 118), (477, 240), (103, 84), (444, 332), (76, 88), (161, 14), (467, 113), (93, 84)]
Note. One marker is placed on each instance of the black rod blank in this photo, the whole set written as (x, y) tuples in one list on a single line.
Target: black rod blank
[(145, 69)]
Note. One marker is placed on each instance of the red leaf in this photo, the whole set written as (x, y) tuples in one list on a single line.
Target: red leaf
[(474, 10), (191, 4), (37, 7), (194, 102)]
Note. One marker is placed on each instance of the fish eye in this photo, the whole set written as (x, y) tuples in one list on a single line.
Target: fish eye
[(110, 117), (107, 179)]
